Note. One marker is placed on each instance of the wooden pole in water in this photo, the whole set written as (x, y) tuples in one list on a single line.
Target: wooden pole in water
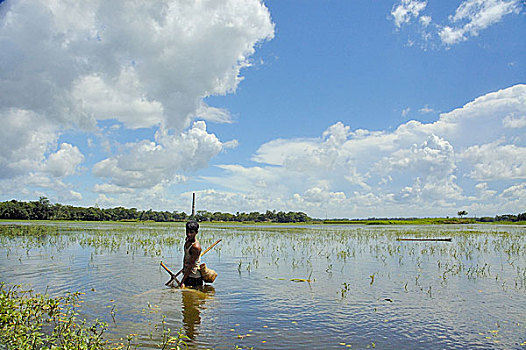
[(193, 205), (425, 239)]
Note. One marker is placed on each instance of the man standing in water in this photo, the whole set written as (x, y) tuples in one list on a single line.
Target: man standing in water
[(192, 253)]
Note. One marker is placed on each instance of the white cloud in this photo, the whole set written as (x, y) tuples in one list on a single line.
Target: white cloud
[(476, 15), (516, 192), (480, 120), (470, 18), (442, 192), (253, 179), (231, 144), (145, 164), (426, 109), (120, 99), (414, 170), (36, 184), (434, 159), (67, 66), (425, 20), (65, 161), (484, 191), (272, 153), (111, 189), (26, 138), (494, 161), (450, 36), (417, 169), (156, 70), (321, 195), (513, 122), (217, 115), (406, 10)]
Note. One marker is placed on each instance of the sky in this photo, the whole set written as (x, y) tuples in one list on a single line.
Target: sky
[(339, 109)]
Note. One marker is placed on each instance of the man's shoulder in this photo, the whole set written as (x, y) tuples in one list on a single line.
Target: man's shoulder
[(196, 245)]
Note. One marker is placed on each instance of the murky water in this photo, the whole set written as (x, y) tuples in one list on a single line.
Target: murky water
[(367, 289)]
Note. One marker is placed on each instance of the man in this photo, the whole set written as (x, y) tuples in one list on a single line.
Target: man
[(191, 261)]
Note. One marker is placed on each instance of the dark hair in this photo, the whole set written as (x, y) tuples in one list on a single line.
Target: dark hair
[(192, 226)]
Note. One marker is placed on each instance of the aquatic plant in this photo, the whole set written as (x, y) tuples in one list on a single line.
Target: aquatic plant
[(36, 321)]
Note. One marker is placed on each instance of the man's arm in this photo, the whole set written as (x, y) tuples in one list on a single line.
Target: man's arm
[(195, 252)]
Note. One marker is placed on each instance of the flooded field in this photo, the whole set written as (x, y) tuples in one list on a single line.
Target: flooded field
[(288, 287)]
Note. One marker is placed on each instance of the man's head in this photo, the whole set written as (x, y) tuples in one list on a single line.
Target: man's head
[(192, 227)]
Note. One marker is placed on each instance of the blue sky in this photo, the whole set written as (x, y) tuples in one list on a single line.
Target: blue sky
[(334, 108)]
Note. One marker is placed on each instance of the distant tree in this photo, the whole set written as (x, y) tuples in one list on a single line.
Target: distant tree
[(42, 209), (462, 213), (506, 217), (14, 210)]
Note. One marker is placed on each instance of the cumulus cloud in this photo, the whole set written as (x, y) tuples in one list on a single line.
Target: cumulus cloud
[(321, 195), (146, 163), (143, 63), (65, 161), (513, 122), (434, 158), (120, 99), (417, 168), (494, 161), (68, 66), (26, 138)]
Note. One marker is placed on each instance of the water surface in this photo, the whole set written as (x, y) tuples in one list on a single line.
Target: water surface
[(365, 288)]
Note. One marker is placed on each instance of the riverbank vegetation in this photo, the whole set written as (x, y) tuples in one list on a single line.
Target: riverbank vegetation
[(30, 320), (44, 210), (36, 321), (498, 219)]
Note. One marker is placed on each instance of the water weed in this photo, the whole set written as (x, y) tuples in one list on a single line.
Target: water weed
[(36, 321)]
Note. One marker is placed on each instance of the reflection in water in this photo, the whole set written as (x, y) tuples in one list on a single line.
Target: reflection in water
[(193, 301)]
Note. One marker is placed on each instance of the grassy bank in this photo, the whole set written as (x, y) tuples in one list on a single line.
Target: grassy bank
[(423, 221)]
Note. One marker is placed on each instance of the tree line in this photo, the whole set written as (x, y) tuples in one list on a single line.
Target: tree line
[(44, 210), (505, 217)]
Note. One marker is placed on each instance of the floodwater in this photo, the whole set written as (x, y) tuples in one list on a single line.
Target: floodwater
[(288, 287)]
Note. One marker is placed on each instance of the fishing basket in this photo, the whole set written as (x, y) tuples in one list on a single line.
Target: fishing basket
[(207, 274)]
